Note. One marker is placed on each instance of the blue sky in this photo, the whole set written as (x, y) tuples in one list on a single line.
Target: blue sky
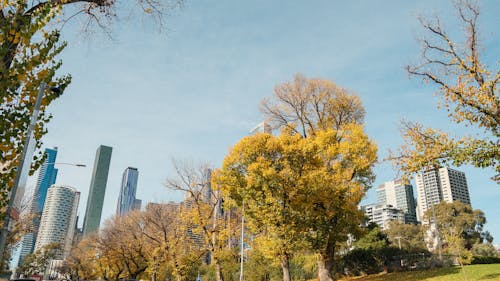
[(193, 91)]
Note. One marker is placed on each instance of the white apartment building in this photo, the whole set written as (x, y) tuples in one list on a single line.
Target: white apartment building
[(59, 219), (383, 215), (438, 185)]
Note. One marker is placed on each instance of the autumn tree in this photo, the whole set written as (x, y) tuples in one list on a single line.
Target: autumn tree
[(202, 210), (308, 181), (168, 244), (468, 86), (261, 174), (81, 262), (124, 240)]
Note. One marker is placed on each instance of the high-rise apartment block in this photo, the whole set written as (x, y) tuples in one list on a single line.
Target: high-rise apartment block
[(59, 219), (97, 190), (398, 195), (444, 184), (128, 189)]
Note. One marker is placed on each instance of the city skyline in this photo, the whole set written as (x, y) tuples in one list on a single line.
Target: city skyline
[(197, 88)]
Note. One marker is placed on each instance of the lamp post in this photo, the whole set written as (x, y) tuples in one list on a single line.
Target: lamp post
[(29, 133), (70, 164), (242, 241)]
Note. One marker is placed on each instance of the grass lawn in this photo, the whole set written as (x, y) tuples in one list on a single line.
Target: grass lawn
[(486, 272)]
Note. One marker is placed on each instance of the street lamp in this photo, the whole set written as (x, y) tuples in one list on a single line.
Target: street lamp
[(29, 132), (70, 164)]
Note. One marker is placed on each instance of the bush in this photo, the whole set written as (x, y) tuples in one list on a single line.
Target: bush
[(485, 260), (370, 261)]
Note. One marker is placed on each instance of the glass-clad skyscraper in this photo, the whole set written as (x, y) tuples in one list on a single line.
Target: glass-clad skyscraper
[(97, 190), (128, 189)]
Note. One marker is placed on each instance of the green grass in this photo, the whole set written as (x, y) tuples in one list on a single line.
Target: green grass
[(486, 272)]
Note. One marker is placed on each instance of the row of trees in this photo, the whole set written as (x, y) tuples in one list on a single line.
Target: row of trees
[(171, 242)]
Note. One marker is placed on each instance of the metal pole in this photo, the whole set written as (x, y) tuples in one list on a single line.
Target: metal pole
[(242, 243), (29, 132)]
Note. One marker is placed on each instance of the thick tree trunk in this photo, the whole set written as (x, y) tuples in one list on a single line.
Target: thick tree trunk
[(285, 267), (326, 262), (325, 265)]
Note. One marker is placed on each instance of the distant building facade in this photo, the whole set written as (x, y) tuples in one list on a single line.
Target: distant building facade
[(59, 217), (137, 204), (443, 184), (398, 195), (97, 190), (128, 189), (382, 215), (262, 127)]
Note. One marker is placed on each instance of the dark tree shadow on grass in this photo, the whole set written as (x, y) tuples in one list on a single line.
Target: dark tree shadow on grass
[(412, 275), (490, 276)]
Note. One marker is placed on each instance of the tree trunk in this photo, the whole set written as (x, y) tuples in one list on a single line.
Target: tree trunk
[(285, 267), (326, 262), (218, 270)]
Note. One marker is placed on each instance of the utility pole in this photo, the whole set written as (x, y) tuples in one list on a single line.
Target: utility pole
[(242, 242), (29, 133)]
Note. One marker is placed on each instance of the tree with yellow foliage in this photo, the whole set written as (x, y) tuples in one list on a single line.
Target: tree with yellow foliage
[(201, 212), (305, 184), (469, 91)]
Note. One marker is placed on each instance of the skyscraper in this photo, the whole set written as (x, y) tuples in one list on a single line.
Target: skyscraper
[(128, 189), (59, 219), (444, 184), (46, 177), (97, 190), (400, 196)]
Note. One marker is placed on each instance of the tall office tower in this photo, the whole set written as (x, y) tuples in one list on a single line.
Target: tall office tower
[(438, 185), (97, 190), (46, 178), (126, 199), (400, 196), (59, 219)]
